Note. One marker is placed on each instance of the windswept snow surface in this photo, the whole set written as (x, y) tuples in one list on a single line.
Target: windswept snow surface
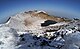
[(64, 38), (72, 41), (8, 38), (62, 35), (40, 11)]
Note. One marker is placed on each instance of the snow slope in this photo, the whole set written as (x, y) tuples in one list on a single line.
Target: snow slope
[(24, 31), (8, 38)]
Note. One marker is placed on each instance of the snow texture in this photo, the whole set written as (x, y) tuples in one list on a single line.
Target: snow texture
[(62, 35), (8, 38)]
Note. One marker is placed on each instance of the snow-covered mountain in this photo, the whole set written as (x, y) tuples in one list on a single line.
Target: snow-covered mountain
[(39, 30), (31, 20)]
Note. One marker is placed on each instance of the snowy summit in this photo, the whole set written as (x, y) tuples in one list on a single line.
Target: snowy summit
[(39, 30)]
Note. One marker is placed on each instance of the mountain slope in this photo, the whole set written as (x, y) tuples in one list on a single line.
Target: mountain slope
[(32, 20), (38, 30)]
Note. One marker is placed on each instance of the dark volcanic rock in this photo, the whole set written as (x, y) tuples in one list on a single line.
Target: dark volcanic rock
[(48, 22)]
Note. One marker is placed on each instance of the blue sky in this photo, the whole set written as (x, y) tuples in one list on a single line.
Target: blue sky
[(66, 8)]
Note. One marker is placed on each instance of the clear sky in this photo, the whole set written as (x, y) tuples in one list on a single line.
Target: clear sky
[(66, 8)]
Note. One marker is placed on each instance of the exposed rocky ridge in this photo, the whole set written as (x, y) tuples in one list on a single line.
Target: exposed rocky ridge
[(32, 20), (55, 33), (43, 15)]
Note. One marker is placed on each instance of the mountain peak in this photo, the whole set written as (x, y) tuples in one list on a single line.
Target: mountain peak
[(32, 20), (37, 29), (39, 11)]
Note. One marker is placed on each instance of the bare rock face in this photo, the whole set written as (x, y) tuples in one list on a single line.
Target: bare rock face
[(31, 20)]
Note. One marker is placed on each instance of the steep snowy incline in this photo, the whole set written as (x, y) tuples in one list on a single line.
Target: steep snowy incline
[(8, 38), (31, 20), (38, 30)]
